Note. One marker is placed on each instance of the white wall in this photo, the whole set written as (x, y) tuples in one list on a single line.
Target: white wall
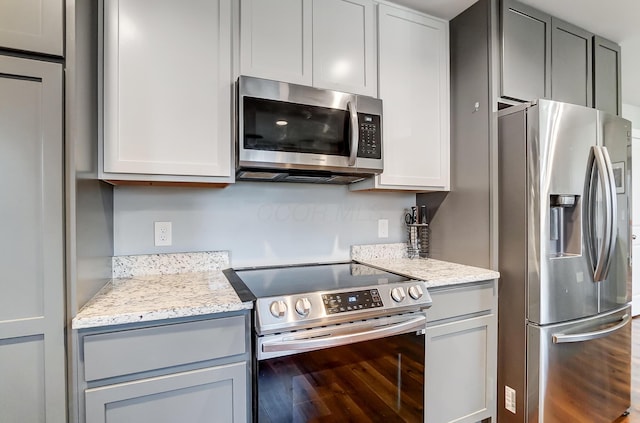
[(631, 112), (260, 223)]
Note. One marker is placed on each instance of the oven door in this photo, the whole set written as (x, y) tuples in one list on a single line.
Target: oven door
[(365, 371)]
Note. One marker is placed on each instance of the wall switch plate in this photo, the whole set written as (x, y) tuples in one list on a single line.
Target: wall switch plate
[(383, 228), (162, 234)]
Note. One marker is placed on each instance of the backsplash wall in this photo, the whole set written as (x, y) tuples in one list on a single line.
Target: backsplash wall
[(259, 223)]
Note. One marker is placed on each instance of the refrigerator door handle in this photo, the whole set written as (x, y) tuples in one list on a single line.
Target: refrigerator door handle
[(561, 338), (597, 158), (612, 205)]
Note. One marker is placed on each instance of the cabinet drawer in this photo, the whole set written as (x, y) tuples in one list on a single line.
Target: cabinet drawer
[(138, 350), (462, 300)]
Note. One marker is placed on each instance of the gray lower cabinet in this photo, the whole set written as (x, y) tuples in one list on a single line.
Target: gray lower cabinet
[(571, 64), (196, 370), (212, 394), (526, 52), (32, 354), (461, 353), (606, 76)]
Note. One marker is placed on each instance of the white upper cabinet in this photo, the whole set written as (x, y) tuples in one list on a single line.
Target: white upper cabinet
[(167, 90), (34, 25), (344, 53), (413, 55), (321, 43), (275, 40)]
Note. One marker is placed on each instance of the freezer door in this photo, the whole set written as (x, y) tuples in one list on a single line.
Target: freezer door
[(614, 133), (580, 371)]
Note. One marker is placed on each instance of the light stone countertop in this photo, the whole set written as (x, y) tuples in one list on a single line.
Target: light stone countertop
[(143, 297), (156, 297), (436, 273), (152, 287)]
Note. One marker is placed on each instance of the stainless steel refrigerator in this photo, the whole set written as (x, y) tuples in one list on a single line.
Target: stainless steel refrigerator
[(564, 319)]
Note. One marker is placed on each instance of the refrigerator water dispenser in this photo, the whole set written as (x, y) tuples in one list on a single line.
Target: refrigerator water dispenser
[(564, 225)]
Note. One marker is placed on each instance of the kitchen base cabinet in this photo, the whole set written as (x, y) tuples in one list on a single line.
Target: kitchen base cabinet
[(182, 370), (461, 351), (203, 395)]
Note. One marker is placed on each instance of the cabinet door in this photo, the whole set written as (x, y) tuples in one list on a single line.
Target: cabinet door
[(571, 64), (34, 25), (344, 55), (167, 88), (460, 370), (606, 76), (414, 88), (215, 394), (32, 356), (275, 40), (526, 52)]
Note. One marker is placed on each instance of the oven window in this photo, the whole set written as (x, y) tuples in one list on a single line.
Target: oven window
[(271, 125), (380, 380)]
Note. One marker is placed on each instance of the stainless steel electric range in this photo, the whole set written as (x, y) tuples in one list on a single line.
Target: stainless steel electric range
[(337, 342)]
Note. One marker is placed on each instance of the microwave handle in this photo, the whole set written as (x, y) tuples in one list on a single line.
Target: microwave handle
[(353, 113)]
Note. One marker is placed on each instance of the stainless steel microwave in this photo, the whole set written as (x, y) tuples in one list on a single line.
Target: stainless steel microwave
[(295, 133)]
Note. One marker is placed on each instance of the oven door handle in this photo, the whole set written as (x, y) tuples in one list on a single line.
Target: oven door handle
[(344, 338)]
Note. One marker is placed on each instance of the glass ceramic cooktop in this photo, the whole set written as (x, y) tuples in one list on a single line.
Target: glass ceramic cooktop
[(291, 280)]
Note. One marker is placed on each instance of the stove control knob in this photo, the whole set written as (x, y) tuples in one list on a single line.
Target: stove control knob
[(303, 306), (398, 294), (278, 308), (416, 292)]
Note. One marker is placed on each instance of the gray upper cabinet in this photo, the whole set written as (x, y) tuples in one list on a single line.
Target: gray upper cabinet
[(571, 64), (34, 25), (606, 76), (526, 52), (32, 356)]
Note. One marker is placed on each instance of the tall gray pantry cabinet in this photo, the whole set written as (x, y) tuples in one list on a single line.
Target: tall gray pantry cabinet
[(32, 355)]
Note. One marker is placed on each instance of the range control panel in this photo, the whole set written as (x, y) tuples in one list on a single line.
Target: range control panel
[(349, 301)]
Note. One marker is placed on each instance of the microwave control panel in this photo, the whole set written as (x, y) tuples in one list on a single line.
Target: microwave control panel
[(369, 140), (351, 301)]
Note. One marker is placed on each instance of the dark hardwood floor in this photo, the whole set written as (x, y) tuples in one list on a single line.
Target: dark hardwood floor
[(634, 415)]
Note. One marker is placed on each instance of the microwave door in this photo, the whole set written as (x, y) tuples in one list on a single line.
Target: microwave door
[(277, 132)]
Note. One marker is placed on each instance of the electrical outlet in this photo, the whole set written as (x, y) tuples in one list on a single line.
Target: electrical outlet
[(162, 234), (383, 228)]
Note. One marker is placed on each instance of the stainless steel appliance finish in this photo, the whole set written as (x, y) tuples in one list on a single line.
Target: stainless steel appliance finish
[(294, 133), (302, 297), (565, 263), (329, 334)]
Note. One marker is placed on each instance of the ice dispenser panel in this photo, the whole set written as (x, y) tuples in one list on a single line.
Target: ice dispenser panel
[(564, 225)]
